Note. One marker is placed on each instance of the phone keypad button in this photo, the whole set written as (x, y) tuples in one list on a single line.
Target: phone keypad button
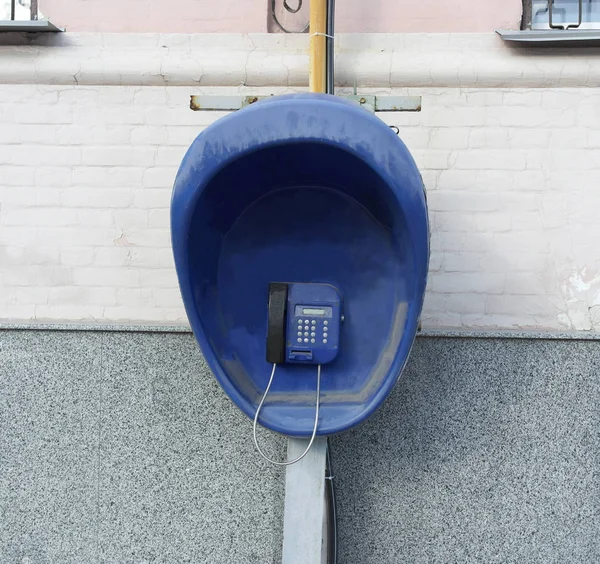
[(313, 331)]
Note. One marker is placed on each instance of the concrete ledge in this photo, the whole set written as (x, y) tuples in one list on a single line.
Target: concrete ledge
[(425, 333), (379, 60), (74, 326), (508, 334)]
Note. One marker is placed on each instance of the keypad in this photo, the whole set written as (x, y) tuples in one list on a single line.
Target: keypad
[(313, 331)]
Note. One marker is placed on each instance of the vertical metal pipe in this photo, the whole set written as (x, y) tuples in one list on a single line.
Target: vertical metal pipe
[(330, 47), (318, 31), (12, 9), (34, 10)]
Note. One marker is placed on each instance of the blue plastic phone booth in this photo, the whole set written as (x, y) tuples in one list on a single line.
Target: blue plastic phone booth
[(303, 188)]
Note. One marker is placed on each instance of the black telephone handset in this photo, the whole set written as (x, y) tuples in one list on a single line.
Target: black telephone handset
[(304, 322)]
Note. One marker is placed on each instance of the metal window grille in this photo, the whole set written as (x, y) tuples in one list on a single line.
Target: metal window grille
[(561, 14)]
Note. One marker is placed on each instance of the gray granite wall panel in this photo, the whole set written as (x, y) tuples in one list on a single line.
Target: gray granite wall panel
[(119, 447), (49, 400), (487, 451)]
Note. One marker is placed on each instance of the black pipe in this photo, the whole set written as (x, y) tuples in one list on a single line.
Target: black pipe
[(329, 48), (330, 490), (332, 532)]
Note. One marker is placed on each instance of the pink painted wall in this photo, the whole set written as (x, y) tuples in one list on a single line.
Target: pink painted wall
[(202, 16), (427, 15), (168, 16)]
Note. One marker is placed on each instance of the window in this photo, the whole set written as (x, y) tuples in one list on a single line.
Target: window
[(561, 14), (18, 10), (23, 15)]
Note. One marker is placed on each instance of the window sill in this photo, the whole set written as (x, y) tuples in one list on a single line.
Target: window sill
[(541, 38), (31, 26)]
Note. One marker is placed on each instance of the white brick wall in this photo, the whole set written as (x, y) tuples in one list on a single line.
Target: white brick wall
[(514, 213), (85, 185), (512, 178)]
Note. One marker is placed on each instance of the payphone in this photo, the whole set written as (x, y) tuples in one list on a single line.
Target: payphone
[(304, 323), (273, 207)]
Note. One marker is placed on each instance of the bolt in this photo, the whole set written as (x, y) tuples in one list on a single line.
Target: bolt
[(362, 101)]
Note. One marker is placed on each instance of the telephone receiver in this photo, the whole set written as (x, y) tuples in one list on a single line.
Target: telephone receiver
[(303, 323)]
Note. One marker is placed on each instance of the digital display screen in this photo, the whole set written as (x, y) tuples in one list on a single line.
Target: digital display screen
[(314, 311)]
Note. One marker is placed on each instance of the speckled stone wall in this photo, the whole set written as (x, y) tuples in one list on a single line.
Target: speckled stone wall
[(119, 447)]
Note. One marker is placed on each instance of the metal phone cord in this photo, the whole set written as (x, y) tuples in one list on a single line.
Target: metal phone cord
[(314, 433)]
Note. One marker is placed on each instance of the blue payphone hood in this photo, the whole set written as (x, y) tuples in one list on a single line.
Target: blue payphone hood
[(302, 188)]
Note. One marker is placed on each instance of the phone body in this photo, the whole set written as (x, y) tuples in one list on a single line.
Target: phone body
[(304, 322)]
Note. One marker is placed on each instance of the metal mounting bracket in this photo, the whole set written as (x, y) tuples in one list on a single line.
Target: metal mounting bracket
[(369, 102), (304, 512)]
